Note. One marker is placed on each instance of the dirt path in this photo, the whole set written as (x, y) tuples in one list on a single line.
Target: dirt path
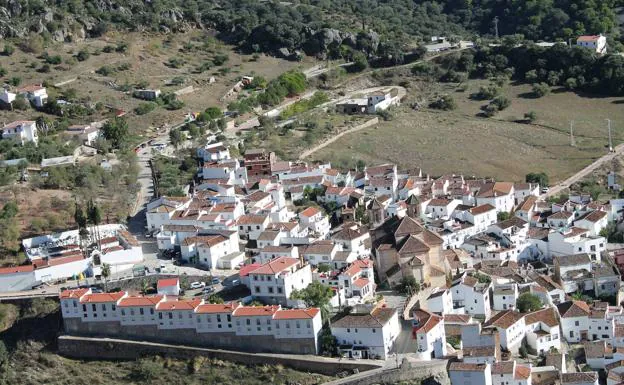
[(351, 130), (556, 190)]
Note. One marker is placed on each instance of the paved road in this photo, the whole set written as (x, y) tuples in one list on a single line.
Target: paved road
[(556, 190)]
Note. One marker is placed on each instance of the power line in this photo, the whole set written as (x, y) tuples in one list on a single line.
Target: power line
[(572, 142), (610, 142), (496, 26)]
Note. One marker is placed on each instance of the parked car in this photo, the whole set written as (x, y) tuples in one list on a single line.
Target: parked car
[(197, 285), (208, 289), (545, 190)]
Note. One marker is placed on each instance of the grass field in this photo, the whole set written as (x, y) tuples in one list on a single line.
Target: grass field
[(461, 142)]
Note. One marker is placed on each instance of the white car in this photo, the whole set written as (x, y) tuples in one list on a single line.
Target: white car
[(197, 285), (545, 190)]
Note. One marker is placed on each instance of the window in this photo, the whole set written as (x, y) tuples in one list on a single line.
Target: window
[(271, 289), (258, 321), (374, 330), (218, 317), (576, 323), (348, 330), (269, 278), (248, 321), (131, 312), (159, 315), (66, 304), (84, 307), (299, 325), (279, 290), (257, 289), (75, 304), (152, 311), (141, 311), (93, 307), (170, 315), (123, 312), (179, 315), (255, 277), (229, 318)]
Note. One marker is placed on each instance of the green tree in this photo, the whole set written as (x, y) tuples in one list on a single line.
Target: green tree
[(106, 272), (9, 210), (537, 177), (94, 214), (8, 49), (315, 295), (540, 89), (530, 116), (116, 131), (359, 62), (214, 298), (176, 138), (409, 285), (503, 216), (528, 302), (445, 103), (213, 113)]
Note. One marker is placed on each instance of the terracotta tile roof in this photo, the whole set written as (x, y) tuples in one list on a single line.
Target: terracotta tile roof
[(546, 316), (588, 38), (211, 308), (139, 301), (361, 282), (378, 318), (310, 212), (522, 372), (320, 247), (408, 226), (506, 367), (561, 215), (178, 305), (17, 269), (579, 377), (572, 309), (296, 313), (348, 234), (276, 266), (102, 297), (413, 245), (245, 270), (426, 321), (574, 231), (251, 219), (504, 319), (573, 260), (77, 293), (256, 311), (594, 216), (167, 282), (481, 209), (457, 318), (207, 240)]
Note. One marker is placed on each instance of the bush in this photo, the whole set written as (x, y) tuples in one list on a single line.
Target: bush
[(487, 92), (540, 89), (105, 70), (220, 59), (489, 110), (56, 59), (445, 103), (146, 370), (15, 81), (501, 102), (145, 108), (528, 302), (8, 50), (530, 116), (83, 55)]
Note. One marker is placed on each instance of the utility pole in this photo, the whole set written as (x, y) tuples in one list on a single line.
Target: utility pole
[(572, 142), (496, 26), (610, 142)]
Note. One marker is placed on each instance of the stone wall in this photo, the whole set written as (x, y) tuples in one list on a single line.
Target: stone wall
[(116, 349), (252, 344), (429, 372)]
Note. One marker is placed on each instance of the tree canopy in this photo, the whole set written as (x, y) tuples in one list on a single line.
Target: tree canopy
[(528, 302)]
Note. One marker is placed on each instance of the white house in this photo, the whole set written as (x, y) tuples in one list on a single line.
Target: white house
[(22, 131), (275, 281), (508, 372), (168, 286), (428, 330), (440, 301), (560, 219), (354, 240), (85, 132), (597, 43), (213, 152), (594, 221), (35, 93), (511, 326), (6, 96), (441, 208), (575, 240), (315, 221), (574, 317), (505, 296), (252, 225), (368, 335), (462, 373), (472, 296), (542, 331), (499, 194)]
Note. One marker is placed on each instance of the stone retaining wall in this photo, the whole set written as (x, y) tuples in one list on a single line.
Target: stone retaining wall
[(116, 349)]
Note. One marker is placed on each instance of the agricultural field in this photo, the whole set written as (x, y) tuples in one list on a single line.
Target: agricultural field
[(504, 146)]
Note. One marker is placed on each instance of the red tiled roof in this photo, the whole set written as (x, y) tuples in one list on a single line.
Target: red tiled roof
[(17, 269), (360, 282), (102, 297), (178, 305), (310, 212), (250, 311), (211, 308), (245, 270), (276, 266), (139, 300), (167, 282), (77, 293), (296, 313)]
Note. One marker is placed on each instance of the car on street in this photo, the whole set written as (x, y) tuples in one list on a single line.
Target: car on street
[(197, 285), (545, 190), (208, 290), (215, 281)]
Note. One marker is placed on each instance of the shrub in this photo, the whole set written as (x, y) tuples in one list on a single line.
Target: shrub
[(220, 59), (8, 50), (540, 89), (15, 81), (445, 103), (105, 70), (83, 55), (501, 102), (530, 116), (55, 59), (489, 110), (44, 68), (487, 92), (3, 71), (145, 108)]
